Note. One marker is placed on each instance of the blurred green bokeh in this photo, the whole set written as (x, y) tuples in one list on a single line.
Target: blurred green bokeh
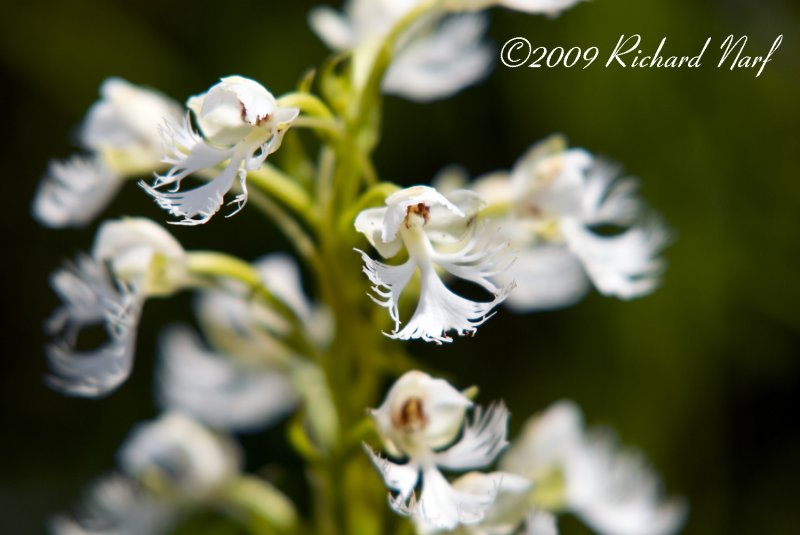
[(704, 375)]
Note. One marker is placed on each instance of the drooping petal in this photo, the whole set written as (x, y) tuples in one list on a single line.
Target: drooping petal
[(90, 297), (440, 311), (616, 491), (547, 276), (510, 505), (388, 283), (180, 452), (197, 206), (74, 192), (437, 65), (401, 478), (218, 390), (442, 507), (624, 265)]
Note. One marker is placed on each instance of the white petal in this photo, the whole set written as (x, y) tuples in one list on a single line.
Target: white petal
[(89, 298), (616, 492), (440, 311), (182, 452), (541, 523), (143, 254), (446, 226), (547, 277), (437, 65), (334, 29), (399, 202), (197, 206), (117, 506), (369, 222), (229, 110), (127, 115), (510, 505), (388, 283), (625, 265), (439, 411), (545, 440), (442, 507), (546, 7), (482, 440), (74, 192), (608, 200), (401, 478), (218, 390)]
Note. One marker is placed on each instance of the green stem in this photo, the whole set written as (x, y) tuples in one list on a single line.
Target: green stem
[(273, 182)]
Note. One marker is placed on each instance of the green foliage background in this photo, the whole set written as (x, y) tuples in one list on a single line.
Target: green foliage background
[(704, 375)]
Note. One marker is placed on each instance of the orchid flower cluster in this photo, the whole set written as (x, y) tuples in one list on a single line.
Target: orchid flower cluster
[(310, 349)]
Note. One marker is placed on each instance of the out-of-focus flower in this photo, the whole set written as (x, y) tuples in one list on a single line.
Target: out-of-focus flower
[(117, 505), (175, 452), (221, 391), (122, 133), (132, 259), (241, 123), (415, 218), (434, 59), (549, 208), (534, 7), (424, 420), (585, 472)]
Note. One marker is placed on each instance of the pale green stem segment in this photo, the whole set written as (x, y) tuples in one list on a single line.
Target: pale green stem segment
[(273, 182), (264, 509)]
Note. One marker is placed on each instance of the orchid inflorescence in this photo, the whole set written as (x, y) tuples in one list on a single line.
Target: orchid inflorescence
[(269, 350)]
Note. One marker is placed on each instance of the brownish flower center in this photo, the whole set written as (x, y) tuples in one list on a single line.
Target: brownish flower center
[(411, 416)]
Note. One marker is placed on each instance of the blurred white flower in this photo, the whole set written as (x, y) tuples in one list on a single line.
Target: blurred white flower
[(175, 452), (585, 472), (238, 325), (142, 254), (415, 218), (117, 505), (221, 391), (424, 421), (132, 259), (121, 131), (434, 59), (549, 207), (241, 123), (90, 296), (534, 7)]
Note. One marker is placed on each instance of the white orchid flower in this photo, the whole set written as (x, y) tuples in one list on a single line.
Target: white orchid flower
[(122, 134), (433, 60), (548, 208), (241, 123), (132, 259), (584, 472), (178, 453), (221, 391), (117, 505), (424, 420), (416, 218)]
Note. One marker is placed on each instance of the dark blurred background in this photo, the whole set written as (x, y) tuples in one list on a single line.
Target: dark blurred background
[(704, 375)]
